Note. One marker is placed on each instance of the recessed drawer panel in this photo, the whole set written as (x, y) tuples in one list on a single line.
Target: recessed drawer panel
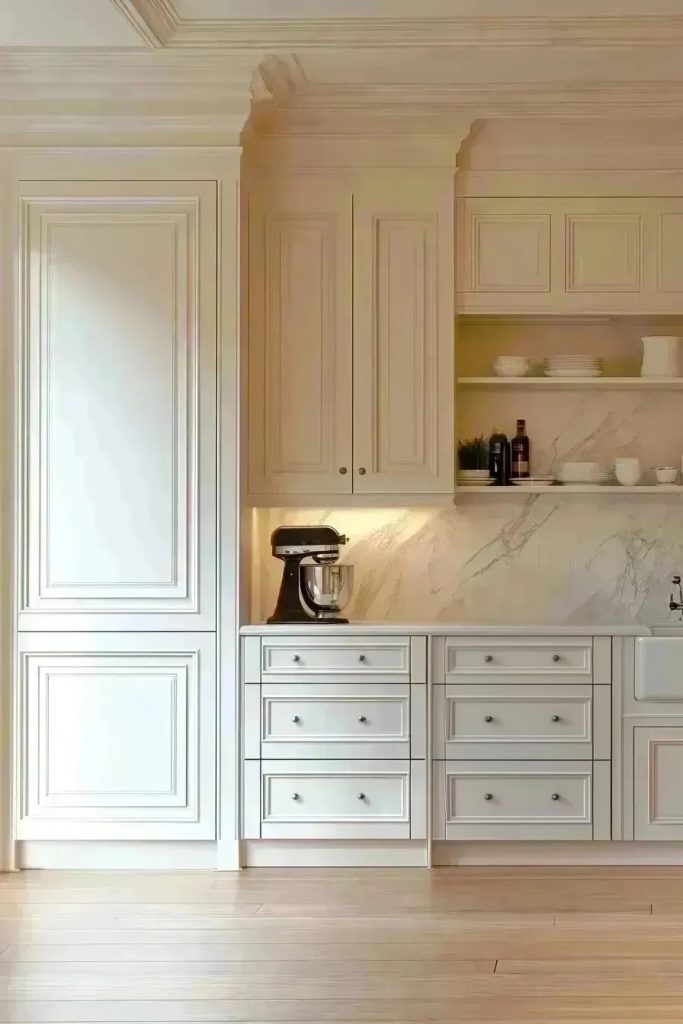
[(331, 659), (504, 721), (330, 799), (518, 799), (510, 656), (340, 720)]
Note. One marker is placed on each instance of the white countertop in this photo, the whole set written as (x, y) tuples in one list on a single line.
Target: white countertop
[(443, 629)]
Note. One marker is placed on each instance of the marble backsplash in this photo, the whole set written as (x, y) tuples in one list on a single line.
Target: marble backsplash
[(533, 559)]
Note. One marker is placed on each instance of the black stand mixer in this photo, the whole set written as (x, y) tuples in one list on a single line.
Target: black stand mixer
[(316, 592)]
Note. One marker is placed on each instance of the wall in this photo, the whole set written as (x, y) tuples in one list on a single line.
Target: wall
[(524, 560)]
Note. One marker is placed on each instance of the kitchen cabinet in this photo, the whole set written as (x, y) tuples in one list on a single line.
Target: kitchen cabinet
[(351, 334), (657, 773), (569, 255), (118, 490)]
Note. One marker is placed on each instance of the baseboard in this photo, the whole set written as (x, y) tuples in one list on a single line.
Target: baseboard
[(309, 853), (561, 853), (113, 855)]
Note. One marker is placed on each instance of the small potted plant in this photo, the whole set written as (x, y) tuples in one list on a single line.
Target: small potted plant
[(473, 461)]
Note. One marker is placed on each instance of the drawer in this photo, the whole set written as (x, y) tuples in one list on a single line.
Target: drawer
[(336, 721), (506, 656), (513, 721), (335, 799), (515, 799), (329, 659)]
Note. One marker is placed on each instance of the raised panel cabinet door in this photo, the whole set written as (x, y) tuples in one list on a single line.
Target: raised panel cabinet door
[(503, 253), (605, 257), (300, 336), (657, 790), (668, 257), (403, 334), (116, 736), (118, 488)]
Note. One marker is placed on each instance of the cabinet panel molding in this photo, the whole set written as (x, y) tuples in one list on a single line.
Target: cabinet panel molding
[(670, 251), (603, 252), (657, 772), (116, 738), (510, 253), (119, 333)]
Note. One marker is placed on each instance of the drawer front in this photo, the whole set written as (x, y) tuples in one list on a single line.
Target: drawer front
[(520, 721), (302, 721), (334, 660), (509, 656), (335, 799), (523, 799)]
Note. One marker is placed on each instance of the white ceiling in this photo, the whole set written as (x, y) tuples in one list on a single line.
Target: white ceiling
[(63, 23)]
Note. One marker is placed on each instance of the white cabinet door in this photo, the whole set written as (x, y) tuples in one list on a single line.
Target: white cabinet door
[(119, 357), (300, 336), (116, 736), (657, 790), (403, 333), (604, 241)]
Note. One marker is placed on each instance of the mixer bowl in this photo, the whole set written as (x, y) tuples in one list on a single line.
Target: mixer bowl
[(326, 588)]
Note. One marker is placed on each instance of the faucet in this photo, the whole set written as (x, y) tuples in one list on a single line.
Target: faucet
[(676, 605)]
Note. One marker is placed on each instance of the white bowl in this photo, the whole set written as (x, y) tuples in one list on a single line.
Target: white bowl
[(666, 474), (511, 366)]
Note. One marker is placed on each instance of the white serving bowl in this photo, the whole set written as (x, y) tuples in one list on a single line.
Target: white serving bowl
[(511, 366), (666, 474)]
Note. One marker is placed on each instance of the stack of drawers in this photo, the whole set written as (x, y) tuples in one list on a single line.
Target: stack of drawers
[(334, 737), (521, 738)]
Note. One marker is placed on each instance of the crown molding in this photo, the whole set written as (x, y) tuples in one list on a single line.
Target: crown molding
[(155, 21), (277, 34)]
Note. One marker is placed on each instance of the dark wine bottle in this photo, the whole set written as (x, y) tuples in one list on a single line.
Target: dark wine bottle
[(499, 458), (520, 450)]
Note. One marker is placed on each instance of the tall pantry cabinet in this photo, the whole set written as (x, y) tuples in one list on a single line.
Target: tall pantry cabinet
[(115, 687), (350, 334)]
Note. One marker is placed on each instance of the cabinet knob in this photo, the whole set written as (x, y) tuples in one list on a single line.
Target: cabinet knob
[(295, 719), (343, 470), (488, 718), (296, 657), (362, 718), (295, 796), (556, 657), (488, 657), (555, 796), (361, 796), (488, 796), (362, 658), (362, 471), (555, 718)]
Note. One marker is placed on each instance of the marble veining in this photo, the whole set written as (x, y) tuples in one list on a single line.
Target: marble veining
[(535, 559)]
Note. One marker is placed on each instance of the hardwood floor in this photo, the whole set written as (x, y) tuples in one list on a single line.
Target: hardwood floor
[(451, 946)]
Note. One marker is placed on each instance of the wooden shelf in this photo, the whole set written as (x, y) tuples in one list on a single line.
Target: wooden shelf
[(599, 383), (562, 490)]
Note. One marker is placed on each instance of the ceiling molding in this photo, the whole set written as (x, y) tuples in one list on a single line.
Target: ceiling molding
[(154, 21), (284, 34)]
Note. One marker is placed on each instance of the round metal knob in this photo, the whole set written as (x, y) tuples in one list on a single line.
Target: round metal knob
[(295, 796), (295, 719), (555, 796), (362, 718), (555, 718), (488, 657), (296, 657), (488, 796), (343, 470), (488, 718), (362, 471), (361, 657), (361, 796), (556, 657)]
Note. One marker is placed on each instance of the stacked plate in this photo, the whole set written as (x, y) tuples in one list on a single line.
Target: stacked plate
[(573, 366), (474, 478)]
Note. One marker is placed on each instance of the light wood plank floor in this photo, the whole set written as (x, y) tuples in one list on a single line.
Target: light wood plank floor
[(451, 946)]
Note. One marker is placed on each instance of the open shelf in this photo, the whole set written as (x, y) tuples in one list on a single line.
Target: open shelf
[(562, 490), (599, 383)]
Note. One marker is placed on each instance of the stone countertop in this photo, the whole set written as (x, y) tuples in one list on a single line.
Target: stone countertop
[(443, 629)]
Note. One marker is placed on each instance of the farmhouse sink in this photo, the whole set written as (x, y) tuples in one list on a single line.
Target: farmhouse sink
[(659, 665)]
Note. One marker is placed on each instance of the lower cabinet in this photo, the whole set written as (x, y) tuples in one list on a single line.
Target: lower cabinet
[(521, 800), (657, 775), (116, 736)]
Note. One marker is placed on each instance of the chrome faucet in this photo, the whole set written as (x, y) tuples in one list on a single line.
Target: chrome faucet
[(676, 588)]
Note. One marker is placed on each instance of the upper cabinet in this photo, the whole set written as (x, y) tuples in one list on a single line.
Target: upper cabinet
[(351, 334), (118, 472), (609, 255)]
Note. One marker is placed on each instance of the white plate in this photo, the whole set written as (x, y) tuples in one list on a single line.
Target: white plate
[(572, 373)]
